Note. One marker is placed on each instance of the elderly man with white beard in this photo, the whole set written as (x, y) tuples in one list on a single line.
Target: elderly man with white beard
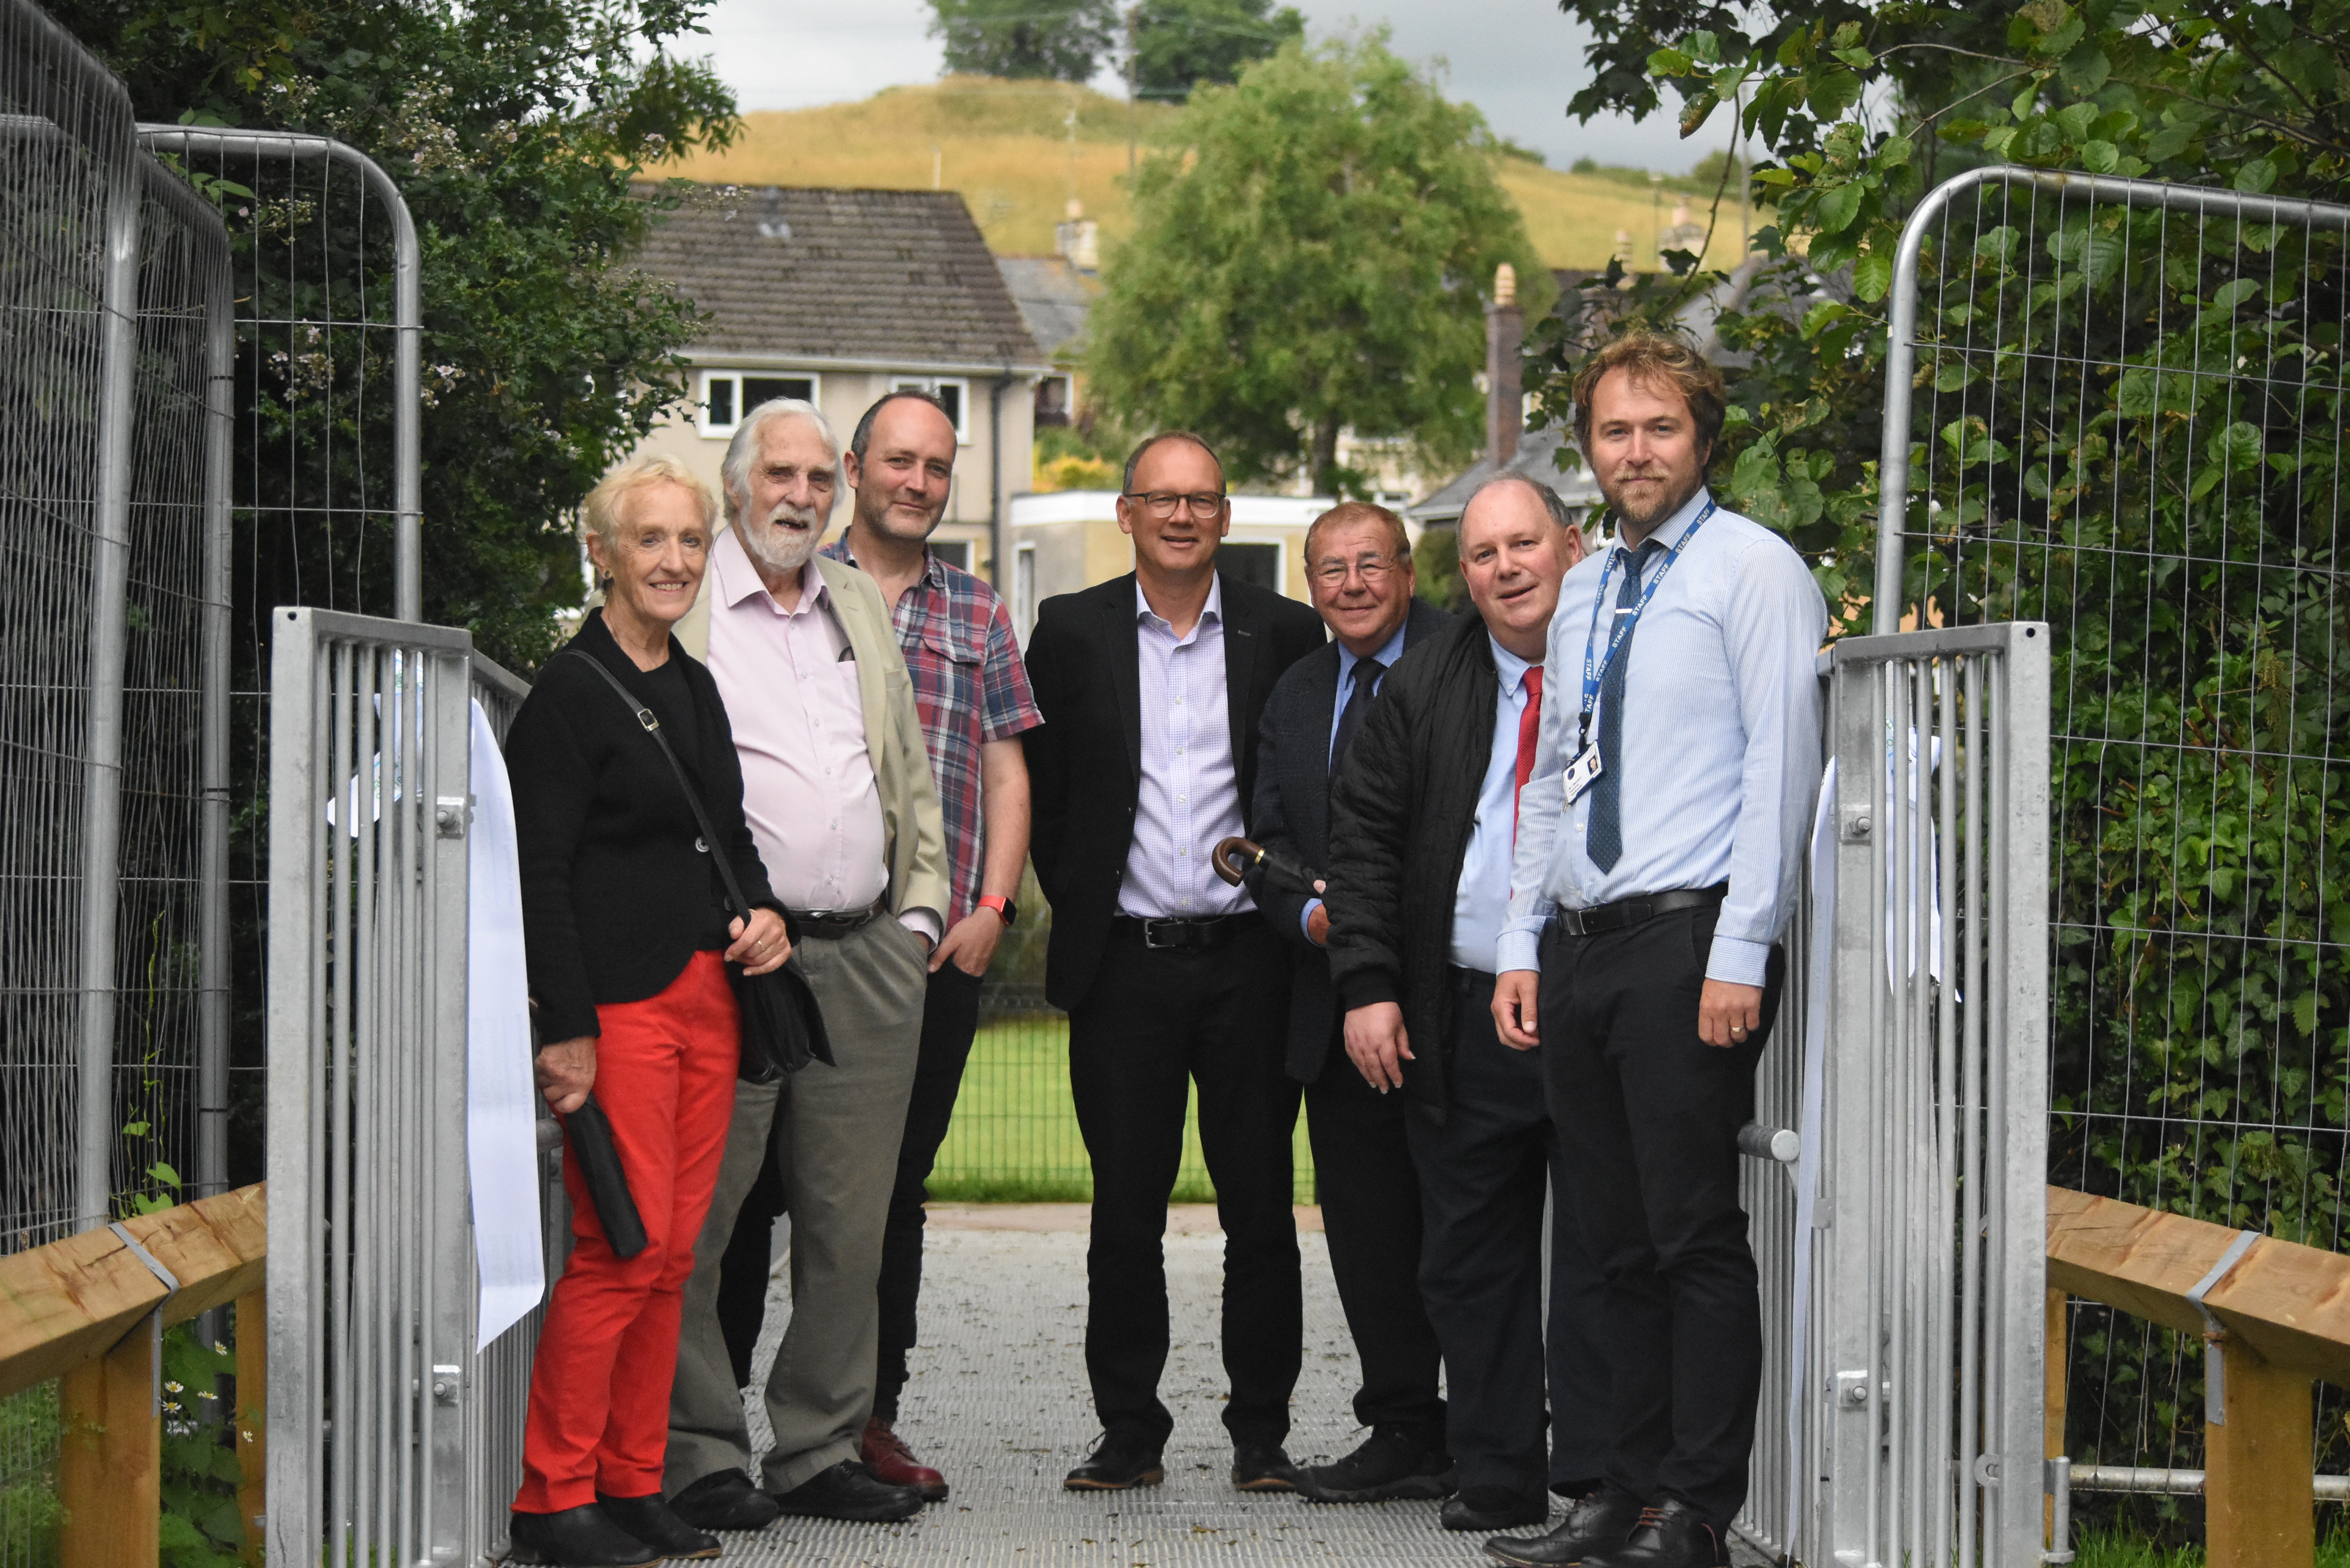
[(837, 786)]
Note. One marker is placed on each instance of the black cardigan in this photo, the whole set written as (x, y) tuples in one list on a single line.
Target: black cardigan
[(1401, 809), (616, 899)]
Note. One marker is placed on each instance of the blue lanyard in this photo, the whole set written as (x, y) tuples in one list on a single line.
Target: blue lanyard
[(1593, 673)]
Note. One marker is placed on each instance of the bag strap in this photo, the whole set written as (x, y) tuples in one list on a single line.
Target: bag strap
[(651, 725)]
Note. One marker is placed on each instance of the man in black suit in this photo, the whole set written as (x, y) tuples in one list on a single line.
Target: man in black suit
[(1359, 568), (1151, 686), (1423, 814)]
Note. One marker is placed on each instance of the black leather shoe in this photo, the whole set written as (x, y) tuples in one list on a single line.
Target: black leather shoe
[(725, 1499), (1491, 1508), (578, 1537), (1597, 1521), (1389, 1463), (1671, 1534), (848, 1491), (648, 1519), (1115, 1464), (1263, 1466)]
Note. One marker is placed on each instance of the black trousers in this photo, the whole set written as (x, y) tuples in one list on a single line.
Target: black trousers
[(1154, 1021), (1649, 1116), (1484, 1171), (1369, 1192), (950, 1022)]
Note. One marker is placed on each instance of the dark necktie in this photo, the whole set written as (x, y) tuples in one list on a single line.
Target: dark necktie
[(1603, 837), (1359, 702), (1529, 734)]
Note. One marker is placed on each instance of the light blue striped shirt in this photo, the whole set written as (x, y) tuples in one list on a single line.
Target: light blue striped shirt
[(1721, 754)]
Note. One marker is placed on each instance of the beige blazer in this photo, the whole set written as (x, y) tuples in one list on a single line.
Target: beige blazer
[(913, 828)]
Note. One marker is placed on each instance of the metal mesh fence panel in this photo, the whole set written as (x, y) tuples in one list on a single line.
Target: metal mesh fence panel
[(2127, 420)]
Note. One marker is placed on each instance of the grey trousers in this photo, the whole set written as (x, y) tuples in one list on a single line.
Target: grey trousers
[(836, 1131)]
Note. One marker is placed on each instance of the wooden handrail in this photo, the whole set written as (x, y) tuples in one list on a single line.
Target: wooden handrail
[(72, 1301), (78, 1310), (2283, 1312)]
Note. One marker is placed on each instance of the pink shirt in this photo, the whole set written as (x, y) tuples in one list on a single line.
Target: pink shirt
[(799, 726)]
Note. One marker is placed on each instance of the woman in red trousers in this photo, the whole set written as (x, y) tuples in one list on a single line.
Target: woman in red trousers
[(627, 935)]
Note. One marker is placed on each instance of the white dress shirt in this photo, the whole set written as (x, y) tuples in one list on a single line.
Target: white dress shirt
[(1481, 903), (1721, 744), (1189, 796)]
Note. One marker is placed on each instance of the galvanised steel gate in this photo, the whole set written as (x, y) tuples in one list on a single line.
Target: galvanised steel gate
[(387, 1422)]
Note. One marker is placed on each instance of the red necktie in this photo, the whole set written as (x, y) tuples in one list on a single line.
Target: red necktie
[(1529, 728)]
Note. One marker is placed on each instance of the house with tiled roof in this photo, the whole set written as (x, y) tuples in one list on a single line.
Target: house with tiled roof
[(839, 297)]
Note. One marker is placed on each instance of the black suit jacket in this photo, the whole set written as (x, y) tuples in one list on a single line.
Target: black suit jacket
[(1084, 762), (1292, 814), (1401, 810)]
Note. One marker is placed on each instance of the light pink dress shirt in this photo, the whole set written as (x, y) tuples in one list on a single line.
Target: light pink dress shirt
[(799, 727), (1190, 793)]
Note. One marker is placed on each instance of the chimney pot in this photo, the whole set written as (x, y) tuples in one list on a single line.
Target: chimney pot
[(1506, 285)]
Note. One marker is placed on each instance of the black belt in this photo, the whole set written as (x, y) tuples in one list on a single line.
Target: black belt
[(830, 925), (1179, 931), (1632, 911)]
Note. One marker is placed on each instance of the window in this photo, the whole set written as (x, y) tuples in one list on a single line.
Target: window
[(1023, 589), (728, 395), (1258, 563), (954, 395), (953, 552), (1052, 400)]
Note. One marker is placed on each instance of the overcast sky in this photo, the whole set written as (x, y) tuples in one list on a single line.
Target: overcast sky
[(1517, 61)]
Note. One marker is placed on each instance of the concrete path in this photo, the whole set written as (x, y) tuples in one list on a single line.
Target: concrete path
[(998, 1403)]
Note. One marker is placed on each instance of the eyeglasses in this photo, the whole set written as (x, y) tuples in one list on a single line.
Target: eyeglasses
[(1373, 569), (1164, 503)]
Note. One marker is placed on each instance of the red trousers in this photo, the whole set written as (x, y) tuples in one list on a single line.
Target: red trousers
[(599, 1388)]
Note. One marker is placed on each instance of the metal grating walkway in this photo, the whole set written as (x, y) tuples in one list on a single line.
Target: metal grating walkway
[(998, 1402)]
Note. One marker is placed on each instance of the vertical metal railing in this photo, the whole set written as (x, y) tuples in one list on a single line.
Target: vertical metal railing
[(371, 1266), (1934, 1136)]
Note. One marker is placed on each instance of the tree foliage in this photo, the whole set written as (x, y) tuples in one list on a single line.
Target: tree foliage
[(1310, 254), (1178, 43), (2127, 424), (513, 131), (1060, 40)]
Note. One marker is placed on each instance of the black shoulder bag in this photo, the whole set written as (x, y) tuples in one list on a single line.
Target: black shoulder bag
[(783, 1028)]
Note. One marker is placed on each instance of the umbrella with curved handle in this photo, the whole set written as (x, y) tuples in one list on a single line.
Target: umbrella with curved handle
[(1235, 859)]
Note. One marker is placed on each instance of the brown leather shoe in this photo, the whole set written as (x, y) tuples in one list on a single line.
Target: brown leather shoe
[(888, 1456)]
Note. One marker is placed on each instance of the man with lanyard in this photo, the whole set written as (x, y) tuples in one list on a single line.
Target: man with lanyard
[(972, 692), (1659, 852)]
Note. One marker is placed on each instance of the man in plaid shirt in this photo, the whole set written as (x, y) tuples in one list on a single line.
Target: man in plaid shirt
[(972, 692)]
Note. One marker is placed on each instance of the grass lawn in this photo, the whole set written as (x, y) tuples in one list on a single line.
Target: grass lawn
[(1015, 1136)]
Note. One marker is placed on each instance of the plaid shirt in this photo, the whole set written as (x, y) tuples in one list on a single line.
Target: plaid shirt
[(969, 688)]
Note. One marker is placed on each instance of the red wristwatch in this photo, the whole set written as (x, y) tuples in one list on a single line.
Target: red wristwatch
[(1005, 910)]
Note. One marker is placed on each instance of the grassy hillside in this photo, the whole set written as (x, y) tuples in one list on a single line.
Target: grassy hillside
[(1007, 147)]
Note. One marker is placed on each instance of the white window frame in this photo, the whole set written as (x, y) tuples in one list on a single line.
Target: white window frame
[(712, 430), (931, 384), (1023, 589)]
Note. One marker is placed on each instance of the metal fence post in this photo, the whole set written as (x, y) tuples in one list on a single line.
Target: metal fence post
[(109, 626)]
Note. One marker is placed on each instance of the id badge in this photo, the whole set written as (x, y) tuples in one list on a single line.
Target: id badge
[(1581, 772)]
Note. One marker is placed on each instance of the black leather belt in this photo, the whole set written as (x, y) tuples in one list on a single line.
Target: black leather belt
[(830, 925), (1184, 931), (1632, 911)]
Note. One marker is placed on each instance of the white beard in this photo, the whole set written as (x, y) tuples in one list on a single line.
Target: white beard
[(775, 551)]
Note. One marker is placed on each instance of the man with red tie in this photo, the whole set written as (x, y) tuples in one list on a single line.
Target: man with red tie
[(1423, 813)]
